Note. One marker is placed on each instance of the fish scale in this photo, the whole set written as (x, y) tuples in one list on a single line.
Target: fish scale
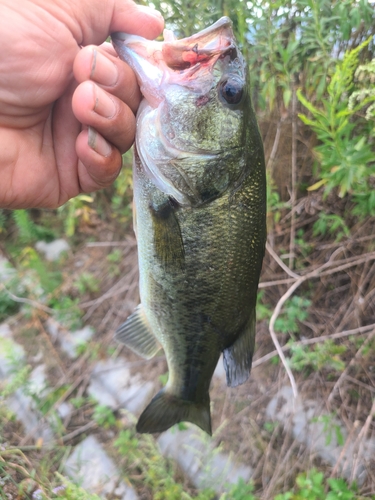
[(200, 198)]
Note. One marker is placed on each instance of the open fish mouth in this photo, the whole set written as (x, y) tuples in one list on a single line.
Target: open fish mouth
[(185, 62)]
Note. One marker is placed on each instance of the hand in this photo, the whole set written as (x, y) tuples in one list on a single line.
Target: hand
[(66, 112)]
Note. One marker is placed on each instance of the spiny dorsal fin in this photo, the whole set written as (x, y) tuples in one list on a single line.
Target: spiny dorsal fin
[(136, 334), (238, 357)]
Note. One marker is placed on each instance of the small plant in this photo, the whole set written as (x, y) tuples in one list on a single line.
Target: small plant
[(29, 231), (240, 491), (311, 486), (86, 282), (76, 210), (345, 154), (103, 416), (295, 311), (331, 224), (330, 428), (322, 355)]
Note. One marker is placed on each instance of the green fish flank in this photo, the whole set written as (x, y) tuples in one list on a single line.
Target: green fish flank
[(200, 198)]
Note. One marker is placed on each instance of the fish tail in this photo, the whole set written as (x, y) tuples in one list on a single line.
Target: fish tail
[(166, 410)]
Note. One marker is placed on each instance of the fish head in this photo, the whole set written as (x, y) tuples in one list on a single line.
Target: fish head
[(191, 125)]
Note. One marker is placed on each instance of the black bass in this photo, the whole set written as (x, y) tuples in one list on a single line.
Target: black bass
[(200, 217)]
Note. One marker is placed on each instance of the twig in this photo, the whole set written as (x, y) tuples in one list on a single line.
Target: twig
[(347, 333), (277, 311), (30, 302), (344, 449), (276, 141), (294, 180), (107, 244), (80, 430), (283, 266), (352, 362), (361, 436)]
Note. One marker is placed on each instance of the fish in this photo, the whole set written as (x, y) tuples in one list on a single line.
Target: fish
[(200, 217)]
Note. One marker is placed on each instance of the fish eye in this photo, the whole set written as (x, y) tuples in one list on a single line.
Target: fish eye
[(231, 90)]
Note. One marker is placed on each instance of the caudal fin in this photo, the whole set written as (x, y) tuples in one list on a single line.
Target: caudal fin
[(166, 410)]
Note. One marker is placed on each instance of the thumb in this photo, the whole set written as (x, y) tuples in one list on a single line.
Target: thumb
[(96, 20)]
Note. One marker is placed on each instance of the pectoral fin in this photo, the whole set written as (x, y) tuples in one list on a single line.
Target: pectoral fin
[(238, 357), (136, 334), (168, 242)]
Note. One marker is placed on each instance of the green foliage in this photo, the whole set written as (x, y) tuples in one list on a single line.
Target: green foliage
[(28, 231), (103, 416), (311, 486), (18, 380), (365, 95), (157, 472), (295, 311), (67, 311), (331, 224), (86, 282), (321, 355), (345, 155), (7, 305), (75, 210), (72, 491), (240, 491), (330, 428)]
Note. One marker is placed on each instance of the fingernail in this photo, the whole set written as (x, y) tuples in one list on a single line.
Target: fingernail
[(98, 143), (103, 70), (150, 11), (104, 104)]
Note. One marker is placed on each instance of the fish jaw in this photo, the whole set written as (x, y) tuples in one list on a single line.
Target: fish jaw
[(187, 62)]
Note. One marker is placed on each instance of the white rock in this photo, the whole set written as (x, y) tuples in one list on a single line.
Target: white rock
[(64, 409), (6, 270), (318, 430), (94, 470), (38, 384), (206, 467), (53, 250), (69, 341), (12, 354), (23, 406), (112, 385), (220, 371)]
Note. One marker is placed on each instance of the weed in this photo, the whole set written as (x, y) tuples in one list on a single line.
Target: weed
[(103, 416), (322, 355), (330, 428), (295, 311)]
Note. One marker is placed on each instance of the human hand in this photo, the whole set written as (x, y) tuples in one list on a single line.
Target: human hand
[(66, 112)]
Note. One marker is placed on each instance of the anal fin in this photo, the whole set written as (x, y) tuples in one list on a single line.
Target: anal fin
[(238, 357), (136, 334)]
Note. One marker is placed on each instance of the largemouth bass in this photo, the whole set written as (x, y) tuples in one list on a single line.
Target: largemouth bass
[(200, 217)]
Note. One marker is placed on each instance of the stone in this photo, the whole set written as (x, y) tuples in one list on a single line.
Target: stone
[(112, 385), (53, 250), (70, 342), (23, 406), (205, 466), (318, 431), (91, 467), (6, 270), (12, 354), (12, 359), (220, 371)]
